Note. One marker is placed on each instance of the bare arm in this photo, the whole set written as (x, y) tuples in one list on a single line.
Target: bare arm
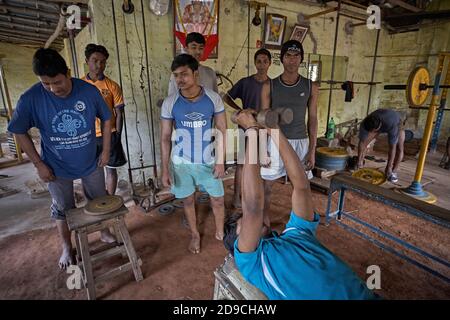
[(227, 99), (312, 126), (119, 119), (252, 200), (265, 96), (362, 147), (25, 142), (301, 196), (106, 145), (220, 121), (166, 146)]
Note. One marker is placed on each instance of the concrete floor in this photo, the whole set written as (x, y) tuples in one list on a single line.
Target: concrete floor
[(29, 249)]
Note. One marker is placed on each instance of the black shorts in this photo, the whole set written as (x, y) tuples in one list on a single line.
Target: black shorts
[(117, 156)]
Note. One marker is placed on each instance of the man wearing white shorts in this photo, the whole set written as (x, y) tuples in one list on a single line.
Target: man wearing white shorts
[(291, 90)]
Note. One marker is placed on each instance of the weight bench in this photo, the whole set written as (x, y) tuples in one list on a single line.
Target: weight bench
[(230, 285), (429, 212), (83, 224)]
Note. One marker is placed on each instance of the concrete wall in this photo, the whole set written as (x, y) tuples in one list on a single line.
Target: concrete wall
[(16, 61), (354, 54)]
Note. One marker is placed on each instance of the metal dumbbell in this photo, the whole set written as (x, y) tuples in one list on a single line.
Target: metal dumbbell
[(271, 118)]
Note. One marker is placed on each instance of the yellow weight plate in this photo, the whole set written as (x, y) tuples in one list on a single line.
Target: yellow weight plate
[(103, 205), (332, 152), (414, 95), (371, 175)]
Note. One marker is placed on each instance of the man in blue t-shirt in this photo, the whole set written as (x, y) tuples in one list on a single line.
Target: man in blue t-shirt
[(64, 110), (248, 89), (384, 121), (194, 160), (293, 265)]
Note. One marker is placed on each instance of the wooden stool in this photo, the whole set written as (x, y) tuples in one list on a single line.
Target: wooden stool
[(84, 224)]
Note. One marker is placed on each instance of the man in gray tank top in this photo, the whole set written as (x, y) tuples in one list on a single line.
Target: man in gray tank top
[(291, 90)]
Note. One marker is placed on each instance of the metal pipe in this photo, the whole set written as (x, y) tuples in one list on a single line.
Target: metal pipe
[(429, 123), (373, 71), (149, 83), (437, 126), (333, 64), (248, 41), (73, 53), (130, 176), (317, 14), (58, 29), (5, 93)]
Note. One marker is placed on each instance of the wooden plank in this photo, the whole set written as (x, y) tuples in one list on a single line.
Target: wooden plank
[(76, 218), (108, 253), (87, 266), (130, 249), (113, 272)]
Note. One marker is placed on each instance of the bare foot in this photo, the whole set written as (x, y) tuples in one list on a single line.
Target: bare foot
[(66, 258), (219, 236), (194, 245), (107, 237)]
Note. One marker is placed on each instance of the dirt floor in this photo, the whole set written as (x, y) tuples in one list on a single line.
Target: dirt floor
[(28, 261)]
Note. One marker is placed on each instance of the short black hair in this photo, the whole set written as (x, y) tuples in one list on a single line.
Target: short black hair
[(230, 232), (184, 59), (195, 37), (92, 48), (263, 52), (48, 62), (371, 122)]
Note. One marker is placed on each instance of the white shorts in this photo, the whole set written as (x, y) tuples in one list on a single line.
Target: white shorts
[(277, 169)]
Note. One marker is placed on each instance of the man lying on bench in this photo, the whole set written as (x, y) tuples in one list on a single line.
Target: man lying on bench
[(293, 265)]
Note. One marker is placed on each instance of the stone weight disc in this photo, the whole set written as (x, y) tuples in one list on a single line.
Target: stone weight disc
[(103, 205)]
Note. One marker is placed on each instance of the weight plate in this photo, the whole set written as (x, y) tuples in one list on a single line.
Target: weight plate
[(103, 205), (370, 175), (333, 152), (166, 209), (414, 95)]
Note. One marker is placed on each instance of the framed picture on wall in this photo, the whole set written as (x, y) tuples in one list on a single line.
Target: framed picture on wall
[(274, 29), (299, 33), (200, 16)]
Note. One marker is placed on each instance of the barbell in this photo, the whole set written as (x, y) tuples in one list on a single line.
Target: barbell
[(417, 88)]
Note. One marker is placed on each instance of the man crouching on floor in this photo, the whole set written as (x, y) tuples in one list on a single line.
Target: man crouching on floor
[(293, 265), (192, 110)]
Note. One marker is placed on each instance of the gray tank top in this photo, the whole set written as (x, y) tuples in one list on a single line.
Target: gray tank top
[(294, 97)]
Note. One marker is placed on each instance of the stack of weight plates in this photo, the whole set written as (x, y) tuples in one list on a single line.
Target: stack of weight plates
[(331, 158)]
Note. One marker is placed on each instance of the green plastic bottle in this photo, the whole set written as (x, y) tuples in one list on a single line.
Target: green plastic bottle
[(331, 129)]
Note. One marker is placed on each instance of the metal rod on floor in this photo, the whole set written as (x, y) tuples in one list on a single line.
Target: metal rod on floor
[(155, 171), (373, 71), (333, 64)]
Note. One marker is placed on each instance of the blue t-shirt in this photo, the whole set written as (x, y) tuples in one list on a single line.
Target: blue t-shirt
[(66, 125), (193, 124), (248, 89), (296, 266)]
